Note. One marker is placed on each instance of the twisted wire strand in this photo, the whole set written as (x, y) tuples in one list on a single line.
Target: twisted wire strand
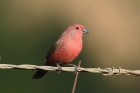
[(105, 72)]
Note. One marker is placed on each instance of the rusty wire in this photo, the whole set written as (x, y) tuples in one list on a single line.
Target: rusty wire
[(105, 72)]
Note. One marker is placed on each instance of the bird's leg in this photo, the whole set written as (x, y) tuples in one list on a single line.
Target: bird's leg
[(59, 68), (76, 68)]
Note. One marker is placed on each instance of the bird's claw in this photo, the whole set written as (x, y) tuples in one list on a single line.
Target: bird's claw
[(59, 68), (76, 68)]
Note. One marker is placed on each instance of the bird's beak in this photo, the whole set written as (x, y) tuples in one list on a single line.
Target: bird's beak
[(84, 31)]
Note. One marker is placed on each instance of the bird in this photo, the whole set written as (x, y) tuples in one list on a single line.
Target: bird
[(65, 49)]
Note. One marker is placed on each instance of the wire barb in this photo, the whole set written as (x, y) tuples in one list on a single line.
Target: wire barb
[(105, 72)]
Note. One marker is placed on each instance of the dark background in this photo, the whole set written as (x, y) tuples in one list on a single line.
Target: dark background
[(28, 28)]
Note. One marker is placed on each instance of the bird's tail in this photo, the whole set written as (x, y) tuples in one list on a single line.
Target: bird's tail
[(40, 73)]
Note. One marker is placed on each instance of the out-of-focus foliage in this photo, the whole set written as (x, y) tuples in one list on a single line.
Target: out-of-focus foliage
[(29, 27)]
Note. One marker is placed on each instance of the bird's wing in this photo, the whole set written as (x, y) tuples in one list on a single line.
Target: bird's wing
[(54, 47)]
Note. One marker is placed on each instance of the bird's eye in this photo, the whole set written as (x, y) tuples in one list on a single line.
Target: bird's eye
[(77, 28)]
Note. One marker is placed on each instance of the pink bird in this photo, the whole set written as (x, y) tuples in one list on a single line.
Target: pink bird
[(65, 49)]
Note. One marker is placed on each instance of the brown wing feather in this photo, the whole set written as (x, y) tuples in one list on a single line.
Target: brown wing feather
[(54, 47), (40, 73)]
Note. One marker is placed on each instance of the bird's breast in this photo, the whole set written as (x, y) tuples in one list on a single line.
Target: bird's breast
[(67, 52)]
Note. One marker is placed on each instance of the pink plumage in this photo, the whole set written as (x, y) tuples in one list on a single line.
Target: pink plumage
[(65, 49)]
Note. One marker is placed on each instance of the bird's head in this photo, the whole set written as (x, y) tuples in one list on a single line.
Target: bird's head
[(76, 30)]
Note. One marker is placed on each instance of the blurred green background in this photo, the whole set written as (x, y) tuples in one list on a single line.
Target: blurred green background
[(28, 28)]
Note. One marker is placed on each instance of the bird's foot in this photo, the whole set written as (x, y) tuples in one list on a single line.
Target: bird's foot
[(76, 68), (59, 68)]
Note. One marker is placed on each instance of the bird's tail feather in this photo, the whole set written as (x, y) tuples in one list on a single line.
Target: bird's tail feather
[(40, 73)]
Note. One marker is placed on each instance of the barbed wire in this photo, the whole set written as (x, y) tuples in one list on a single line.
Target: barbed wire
[(105, 72)]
